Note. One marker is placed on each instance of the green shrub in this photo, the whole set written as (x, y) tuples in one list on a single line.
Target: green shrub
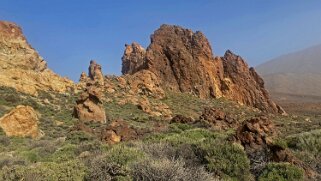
[(123, 155), (167, 170), (281, 142), (71, 170), (64, 153), (101, 169), (31, 155), (77, 137), (226, 160), (6, 160), (191, 136), (308, 141), (281, 172), (179, 127)]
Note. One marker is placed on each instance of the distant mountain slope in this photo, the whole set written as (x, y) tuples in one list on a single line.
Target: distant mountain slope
[(295, 73)]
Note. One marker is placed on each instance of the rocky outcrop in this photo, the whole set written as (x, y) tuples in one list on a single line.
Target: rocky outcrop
[(90, 106), (218, 119), (113, 133), (22, 68), (95, 73), (183, 61), (145, 83), (256, 132), (118, 131), (244, 85), (133, 58), (21, 121)]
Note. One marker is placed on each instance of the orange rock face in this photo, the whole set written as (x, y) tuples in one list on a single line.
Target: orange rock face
[(21, 121), (183, 61), (89, 106), (133, 58), (22, 68)]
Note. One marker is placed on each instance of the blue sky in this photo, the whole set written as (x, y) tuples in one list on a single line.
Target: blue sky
[(69, 33)]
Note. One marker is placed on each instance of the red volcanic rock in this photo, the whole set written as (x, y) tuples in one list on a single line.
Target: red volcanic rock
[(244, 85), (183, 61), (256, 132), (218, 119)]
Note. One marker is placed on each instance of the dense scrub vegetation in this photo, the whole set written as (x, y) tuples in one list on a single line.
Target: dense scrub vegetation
[(180, 152)]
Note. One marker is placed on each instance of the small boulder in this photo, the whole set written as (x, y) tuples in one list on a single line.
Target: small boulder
[(89, 106), (118, 131), (218, 119), (21, 121), (256, 132)]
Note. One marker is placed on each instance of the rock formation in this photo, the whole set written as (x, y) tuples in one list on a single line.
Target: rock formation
[(118, 131), (95, 73), (183, 61), (256, 132), (89, 106), (145, 83), (133, 58), (22, 68), (218, 119), (21, 121)]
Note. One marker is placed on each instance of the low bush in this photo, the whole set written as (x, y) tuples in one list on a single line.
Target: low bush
[(123, 155), (101, 169), (7, 161), (281, 172), (191, 136), (71, 170), (64, 153), (167, 170), (307, 141), (226, 160)]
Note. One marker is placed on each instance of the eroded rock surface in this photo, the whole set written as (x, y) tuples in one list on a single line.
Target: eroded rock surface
[(95, 73), (183, 61), (218, 119), (118, 131), (21, 121), (22, 68), (256, 132), (133, 58), (90, 106)]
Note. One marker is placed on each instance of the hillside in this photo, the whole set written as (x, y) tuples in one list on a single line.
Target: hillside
[(296, 73), (177, 113)]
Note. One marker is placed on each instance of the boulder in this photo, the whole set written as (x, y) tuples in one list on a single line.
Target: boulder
[(90, 106), (21, 121), (218, 119), (256, 132), (117, 131)]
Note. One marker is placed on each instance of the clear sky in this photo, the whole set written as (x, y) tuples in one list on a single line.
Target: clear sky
[(69, 33)]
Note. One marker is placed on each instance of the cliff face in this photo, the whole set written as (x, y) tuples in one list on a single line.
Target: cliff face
[(183, 60), (22, 68)]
